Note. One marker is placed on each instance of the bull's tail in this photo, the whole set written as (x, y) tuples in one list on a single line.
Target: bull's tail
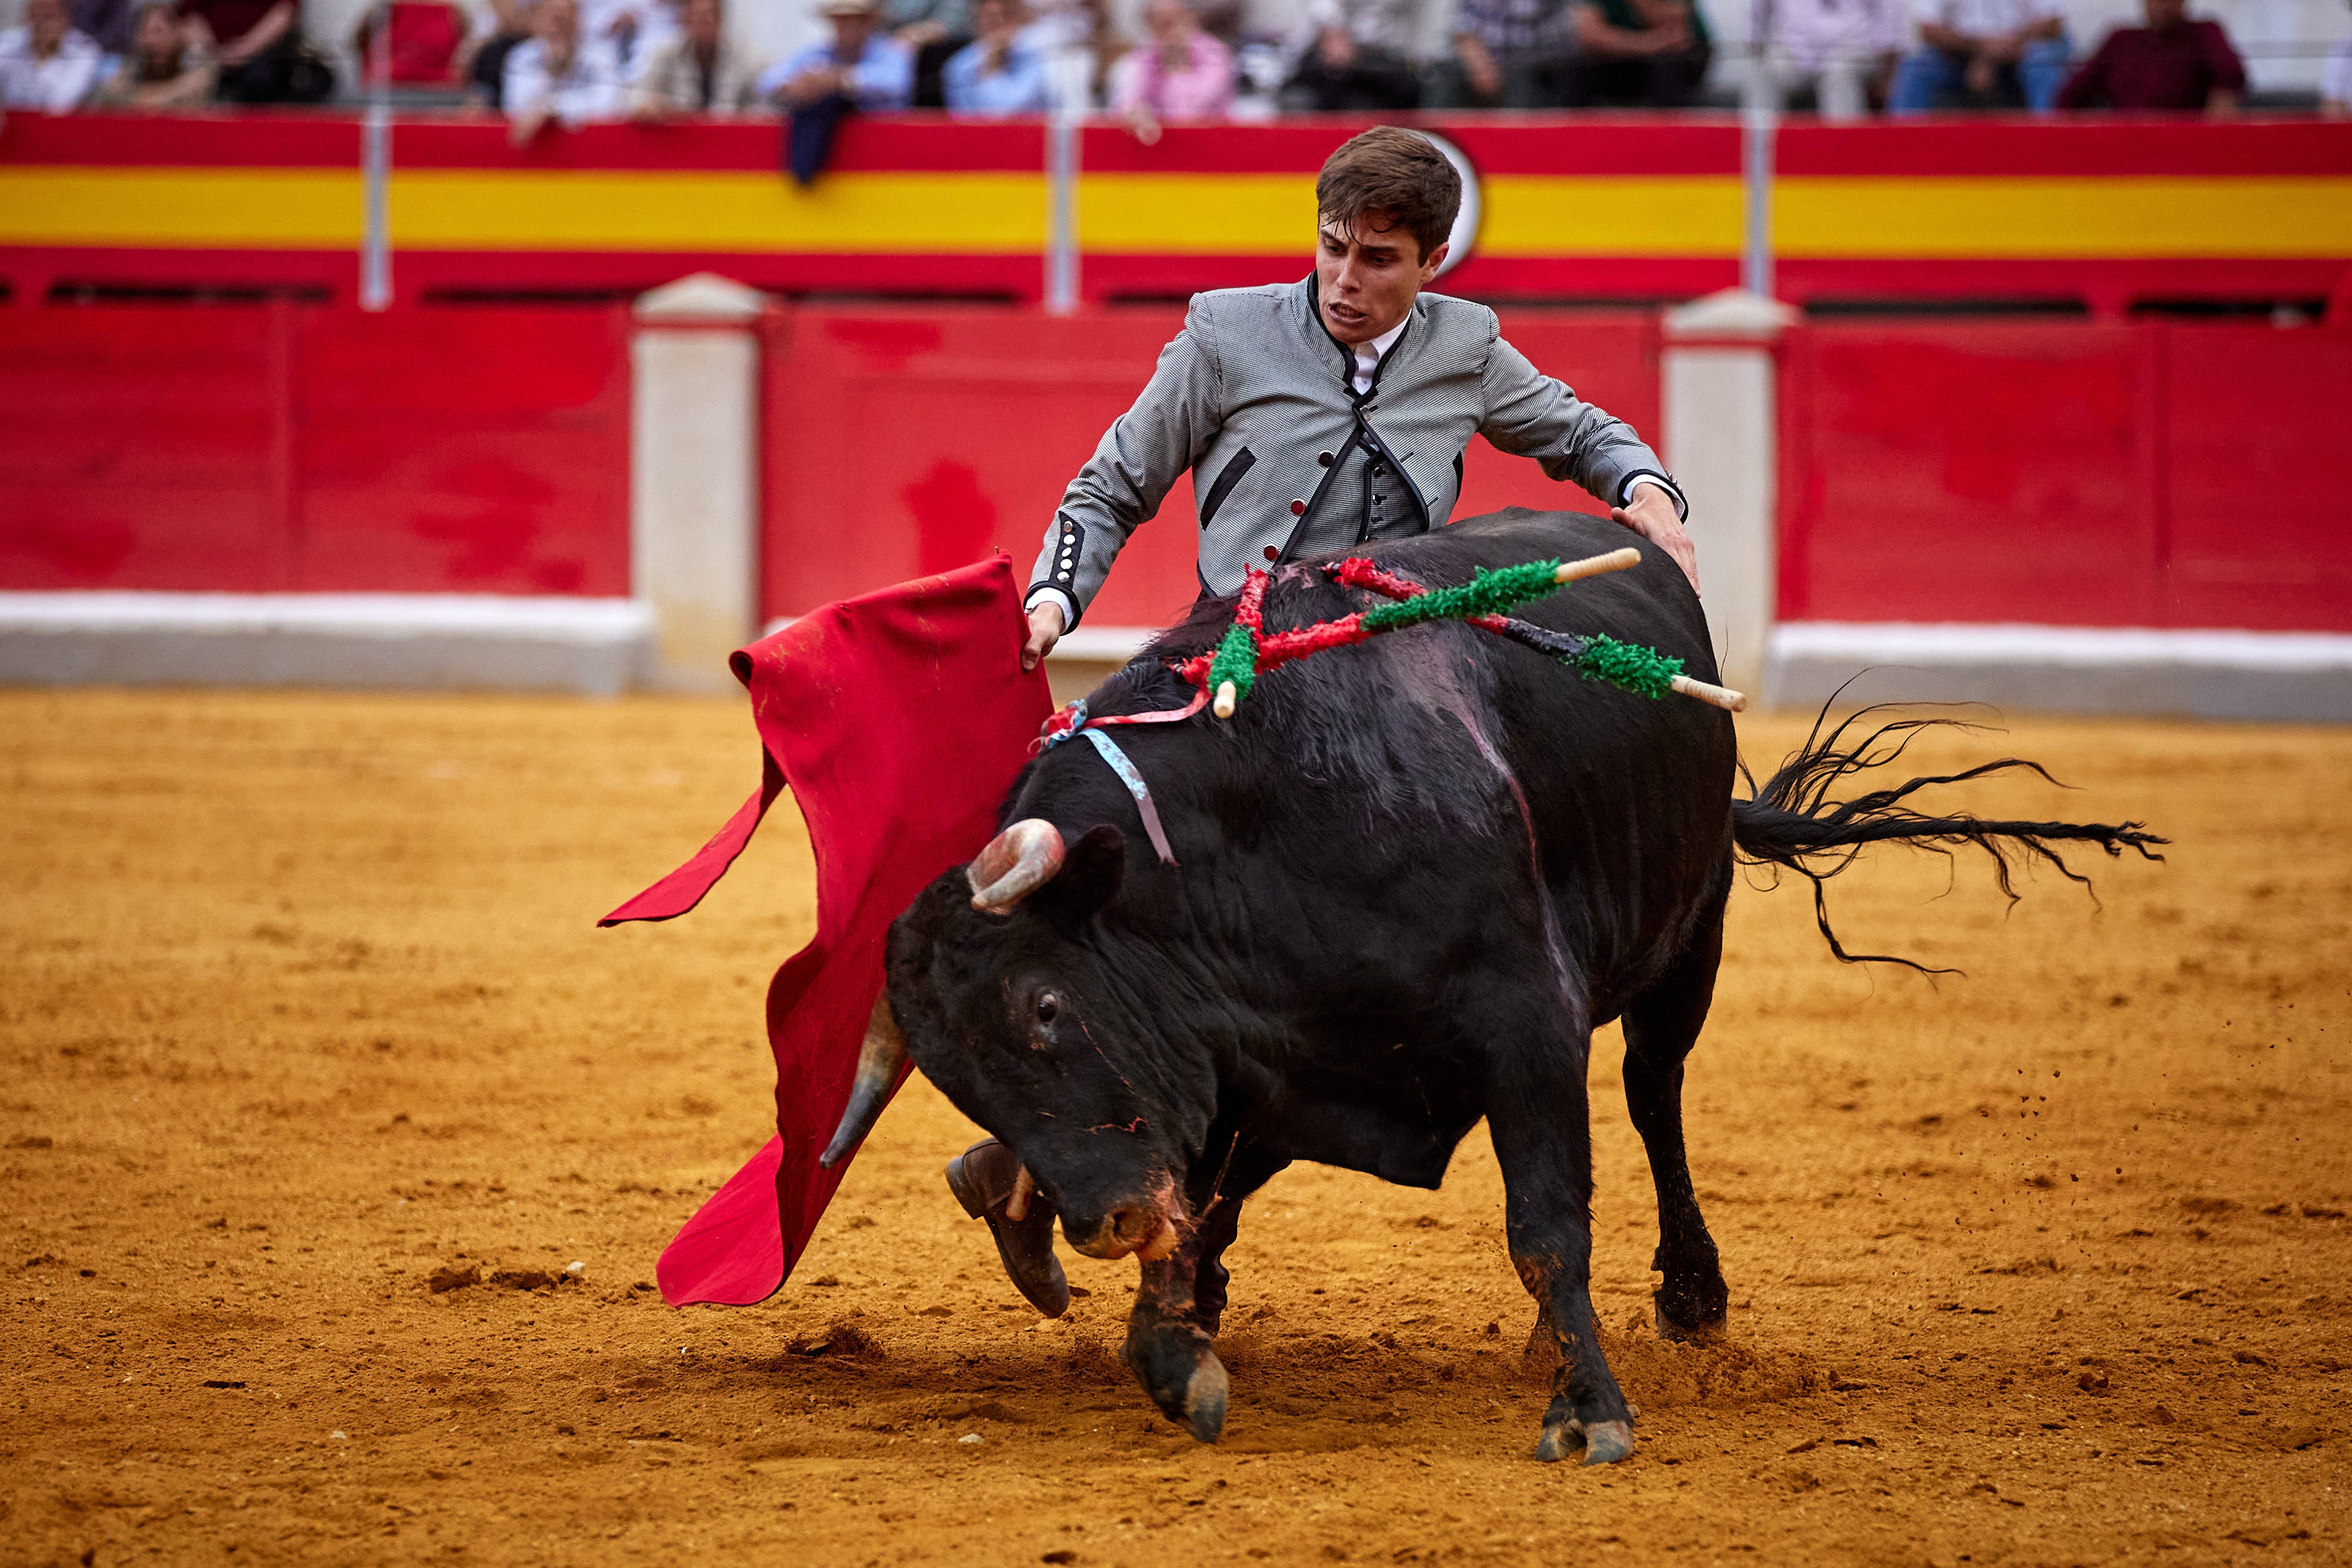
[(1791, 823)]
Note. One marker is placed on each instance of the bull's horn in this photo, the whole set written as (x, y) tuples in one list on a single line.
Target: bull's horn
[(1017, 862), (879, 1065)]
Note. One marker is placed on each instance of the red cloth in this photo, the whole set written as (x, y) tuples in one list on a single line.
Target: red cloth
[(899, 720), (2139, 67)]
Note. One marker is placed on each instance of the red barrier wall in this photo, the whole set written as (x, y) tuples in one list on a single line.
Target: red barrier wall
[(2135, 474), (287, 448), (902, 441)]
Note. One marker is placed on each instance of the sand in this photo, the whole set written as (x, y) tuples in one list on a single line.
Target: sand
[(304, 1009)]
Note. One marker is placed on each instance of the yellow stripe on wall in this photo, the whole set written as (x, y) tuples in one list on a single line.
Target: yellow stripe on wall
[(202, 209), (652, 210), (2062, 217), (1525, 217)]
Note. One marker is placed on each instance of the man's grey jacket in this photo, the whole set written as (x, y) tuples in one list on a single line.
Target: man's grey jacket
[(1288, 460)]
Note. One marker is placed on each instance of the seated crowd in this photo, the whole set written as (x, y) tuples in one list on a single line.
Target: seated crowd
[(577, 61)]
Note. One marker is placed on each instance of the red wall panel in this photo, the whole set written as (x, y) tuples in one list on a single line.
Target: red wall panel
[(465, 451), (908, 440), (2258, 477), (139, 447), (282, 448), (1969, 473), (2068, 474)]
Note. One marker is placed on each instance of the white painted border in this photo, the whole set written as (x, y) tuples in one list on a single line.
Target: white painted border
[(421, 640), (2213, 673)]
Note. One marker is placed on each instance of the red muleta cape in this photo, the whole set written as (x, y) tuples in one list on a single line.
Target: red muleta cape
[(899, 720)]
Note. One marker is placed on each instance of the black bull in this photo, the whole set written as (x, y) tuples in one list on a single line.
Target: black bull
[(1413, 877)]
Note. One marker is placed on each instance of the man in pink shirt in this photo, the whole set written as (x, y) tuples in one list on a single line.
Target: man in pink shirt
[(1184, 73)]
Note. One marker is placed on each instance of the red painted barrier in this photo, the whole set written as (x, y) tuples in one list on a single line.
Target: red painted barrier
[(901, 441), (288, 448), (2143, 475)]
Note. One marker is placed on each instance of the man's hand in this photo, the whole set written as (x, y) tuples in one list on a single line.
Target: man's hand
[(1651, 514), (1045, 629)]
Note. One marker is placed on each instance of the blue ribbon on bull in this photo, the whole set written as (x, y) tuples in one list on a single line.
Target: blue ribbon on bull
[(1119, 763)]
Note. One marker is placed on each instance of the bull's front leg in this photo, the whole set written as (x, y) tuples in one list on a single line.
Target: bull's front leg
[(1179, 1304), (1542, 1130)]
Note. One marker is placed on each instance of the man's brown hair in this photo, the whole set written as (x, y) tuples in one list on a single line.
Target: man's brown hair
[(1399, 171)]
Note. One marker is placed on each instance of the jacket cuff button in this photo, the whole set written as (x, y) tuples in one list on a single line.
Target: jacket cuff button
[(1324, 458), (1297, 509)]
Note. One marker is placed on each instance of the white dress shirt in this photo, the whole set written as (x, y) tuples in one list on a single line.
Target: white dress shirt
[(54, 85)]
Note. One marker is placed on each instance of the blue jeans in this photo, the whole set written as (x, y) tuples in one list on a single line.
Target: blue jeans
[(1927, 76)]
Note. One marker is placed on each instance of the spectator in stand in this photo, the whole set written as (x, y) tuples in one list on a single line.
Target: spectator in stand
[(998, 73), (935, 30), (2171, 63), (44, 65), (559, 75), (486, 68), (1509, 54), (861, 66), (1183, 76), (697, 72), (2336, 85), (108, 24), (258, 46), (1359, 59), (1841, 49), (1985, 53), (164, 68), (1638, 53)]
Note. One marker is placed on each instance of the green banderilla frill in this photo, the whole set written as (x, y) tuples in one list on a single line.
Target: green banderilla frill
[(1486, 593), (1236, 660), (1628, 666)]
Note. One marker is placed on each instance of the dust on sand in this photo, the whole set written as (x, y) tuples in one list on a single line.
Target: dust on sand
[(317, 1079)]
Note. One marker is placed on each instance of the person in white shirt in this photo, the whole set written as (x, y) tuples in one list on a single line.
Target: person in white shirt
[(45, 65), (2335, 82), (1983, 48), (559, 75), (634, 30), (1836, 47)]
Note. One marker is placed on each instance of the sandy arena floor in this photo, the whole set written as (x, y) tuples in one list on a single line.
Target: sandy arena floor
[(304, 1004)]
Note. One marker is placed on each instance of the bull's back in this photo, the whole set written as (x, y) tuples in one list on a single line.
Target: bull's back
[(1630, 796)]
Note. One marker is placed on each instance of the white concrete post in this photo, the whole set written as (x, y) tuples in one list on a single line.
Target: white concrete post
[(1722, 438), (694, 477)]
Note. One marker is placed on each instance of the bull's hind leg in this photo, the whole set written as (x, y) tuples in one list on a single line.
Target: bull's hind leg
[(1661, 1026), (1540, 1117), (1180, 1303)]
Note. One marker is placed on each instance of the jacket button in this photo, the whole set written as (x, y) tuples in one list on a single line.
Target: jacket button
[(1324, 458), (1272, 553), (1297, 509)]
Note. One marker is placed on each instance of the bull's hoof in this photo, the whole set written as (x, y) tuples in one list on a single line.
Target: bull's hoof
[(1184, 1378), (1691, 1313), (1205, 1400), (1599, 1442)]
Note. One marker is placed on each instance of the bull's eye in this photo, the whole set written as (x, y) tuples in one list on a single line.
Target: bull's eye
[(1049, 1007)]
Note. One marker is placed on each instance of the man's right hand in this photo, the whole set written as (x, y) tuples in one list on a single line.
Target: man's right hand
[(1044, 631)]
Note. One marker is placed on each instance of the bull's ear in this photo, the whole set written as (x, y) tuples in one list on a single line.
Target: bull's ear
[(1091, 872)]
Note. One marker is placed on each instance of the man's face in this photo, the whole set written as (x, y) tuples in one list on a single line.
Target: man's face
[(702, 19), (850, 31), (557, 23), (1367, 273), (2163, 16), (46, 20)]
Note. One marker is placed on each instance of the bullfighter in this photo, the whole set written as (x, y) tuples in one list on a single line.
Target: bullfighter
[(1314, 416)]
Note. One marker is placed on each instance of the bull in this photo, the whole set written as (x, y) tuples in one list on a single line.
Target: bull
[(1409, 880)]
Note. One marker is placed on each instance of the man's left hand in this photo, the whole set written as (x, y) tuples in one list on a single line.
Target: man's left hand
[(1651, 514)]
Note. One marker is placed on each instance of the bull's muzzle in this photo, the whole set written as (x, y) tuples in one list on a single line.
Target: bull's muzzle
[(1148, 1229)]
